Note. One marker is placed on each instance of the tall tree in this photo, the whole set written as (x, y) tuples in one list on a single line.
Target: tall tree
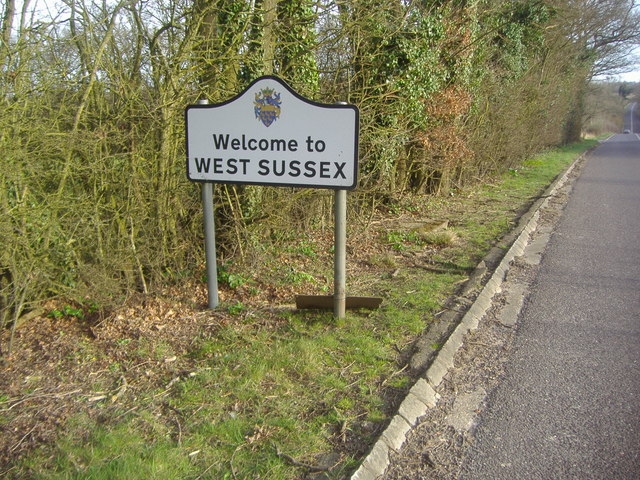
[(601, 34), (5, 31)]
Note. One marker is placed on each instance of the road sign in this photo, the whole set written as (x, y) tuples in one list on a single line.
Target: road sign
[(270, 135)]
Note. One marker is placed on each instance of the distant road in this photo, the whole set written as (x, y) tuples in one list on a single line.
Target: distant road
[(569, 404), (632, 118)]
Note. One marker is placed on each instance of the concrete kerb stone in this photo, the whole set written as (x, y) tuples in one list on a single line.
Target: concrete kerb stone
[(438, 369), (493, 285), (482, 303), (471, 323), (456, 339), (363, 473), (501, 270), (423, 395), (396, 433), (378, 459), (375, 464), (412, 408)]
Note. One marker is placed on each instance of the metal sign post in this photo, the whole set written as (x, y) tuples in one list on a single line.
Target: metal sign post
[(210, 244), (209, 238), (340, 254)]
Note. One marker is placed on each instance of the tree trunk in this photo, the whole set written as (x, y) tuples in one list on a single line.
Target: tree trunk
[(5, 33), (268, 35)]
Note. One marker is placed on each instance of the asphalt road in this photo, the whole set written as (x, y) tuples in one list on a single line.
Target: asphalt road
[(632, 118), (568, 406)]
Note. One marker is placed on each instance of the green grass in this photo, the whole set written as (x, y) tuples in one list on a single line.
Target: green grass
[(114, 453), (299, 384)]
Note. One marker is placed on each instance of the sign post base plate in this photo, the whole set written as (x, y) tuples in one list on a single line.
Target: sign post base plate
[(325, 302)]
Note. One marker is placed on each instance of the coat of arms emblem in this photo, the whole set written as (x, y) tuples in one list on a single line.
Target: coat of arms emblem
[(267, 106)]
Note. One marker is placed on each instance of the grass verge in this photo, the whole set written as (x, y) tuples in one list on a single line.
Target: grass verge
[(250, 391)]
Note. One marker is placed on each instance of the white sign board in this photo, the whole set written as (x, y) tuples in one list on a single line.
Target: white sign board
[(270, 135)]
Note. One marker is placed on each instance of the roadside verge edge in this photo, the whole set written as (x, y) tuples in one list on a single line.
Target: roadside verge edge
[(423, 396)]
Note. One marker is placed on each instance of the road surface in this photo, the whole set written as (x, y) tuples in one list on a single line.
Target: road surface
[(632, 118), (568, 406)]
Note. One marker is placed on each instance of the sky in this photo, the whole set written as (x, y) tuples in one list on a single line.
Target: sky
[(631, 76), (634, 75)]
